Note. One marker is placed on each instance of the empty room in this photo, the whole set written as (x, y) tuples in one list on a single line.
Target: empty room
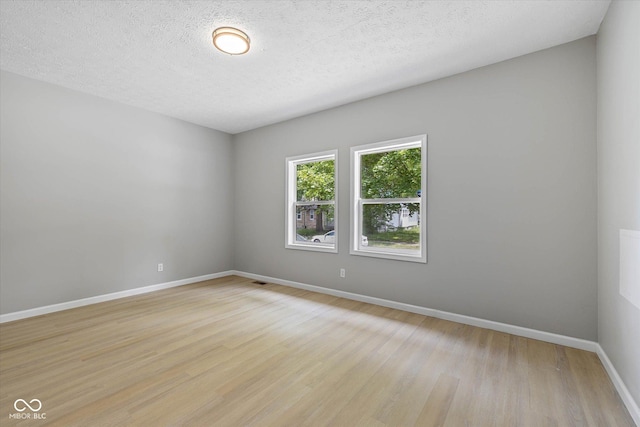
[(320, 213)]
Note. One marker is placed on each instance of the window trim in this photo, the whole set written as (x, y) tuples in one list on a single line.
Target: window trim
[(291, 202), (356, 202)]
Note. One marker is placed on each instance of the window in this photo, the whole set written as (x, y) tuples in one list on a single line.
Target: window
[(311, 202), (388, 199)]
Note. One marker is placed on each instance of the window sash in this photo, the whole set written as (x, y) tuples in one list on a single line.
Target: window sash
[(358, 203), (405, 200), (293, 203), (318, 203), (373, 246)]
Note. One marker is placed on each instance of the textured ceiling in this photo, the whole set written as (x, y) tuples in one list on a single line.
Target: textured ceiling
[(305, 56)]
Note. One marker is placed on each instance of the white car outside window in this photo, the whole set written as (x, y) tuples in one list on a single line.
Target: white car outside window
[(330, 237)]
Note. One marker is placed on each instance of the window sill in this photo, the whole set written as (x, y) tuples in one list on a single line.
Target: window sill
[(392, 255), (314, 247)]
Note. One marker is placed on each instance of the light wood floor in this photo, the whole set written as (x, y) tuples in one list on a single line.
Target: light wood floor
[(231, 353)]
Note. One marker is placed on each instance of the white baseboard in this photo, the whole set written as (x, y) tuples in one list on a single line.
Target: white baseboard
[(623, 391), (10, 317), (459, 318), (467, 320), (578, 343)]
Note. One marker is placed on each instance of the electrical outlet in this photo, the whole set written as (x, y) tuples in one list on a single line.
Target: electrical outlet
[(160, 267), (343, 273)]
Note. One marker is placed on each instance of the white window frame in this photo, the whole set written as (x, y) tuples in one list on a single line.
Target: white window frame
[(356, 201), (292, 203)]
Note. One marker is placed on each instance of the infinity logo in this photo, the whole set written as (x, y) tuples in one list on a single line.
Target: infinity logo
[(26, 405)]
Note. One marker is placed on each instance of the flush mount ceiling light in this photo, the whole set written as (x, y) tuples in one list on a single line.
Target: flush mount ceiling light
[(231, 40)]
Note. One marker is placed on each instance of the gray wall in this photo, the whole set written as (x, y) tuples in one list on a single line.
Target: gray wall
[(95, 194), (618, 55), (511, 193)]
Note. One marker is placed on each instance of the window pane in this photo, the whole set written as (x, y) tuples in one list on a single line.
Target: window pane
[(310, 202), (391, 227), (315, 181), (391, 174), (318, 228)]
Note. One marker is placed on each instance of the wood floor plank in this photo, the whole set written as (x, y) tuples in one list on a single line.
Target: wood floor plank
[(435, 411), (228, 352)]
